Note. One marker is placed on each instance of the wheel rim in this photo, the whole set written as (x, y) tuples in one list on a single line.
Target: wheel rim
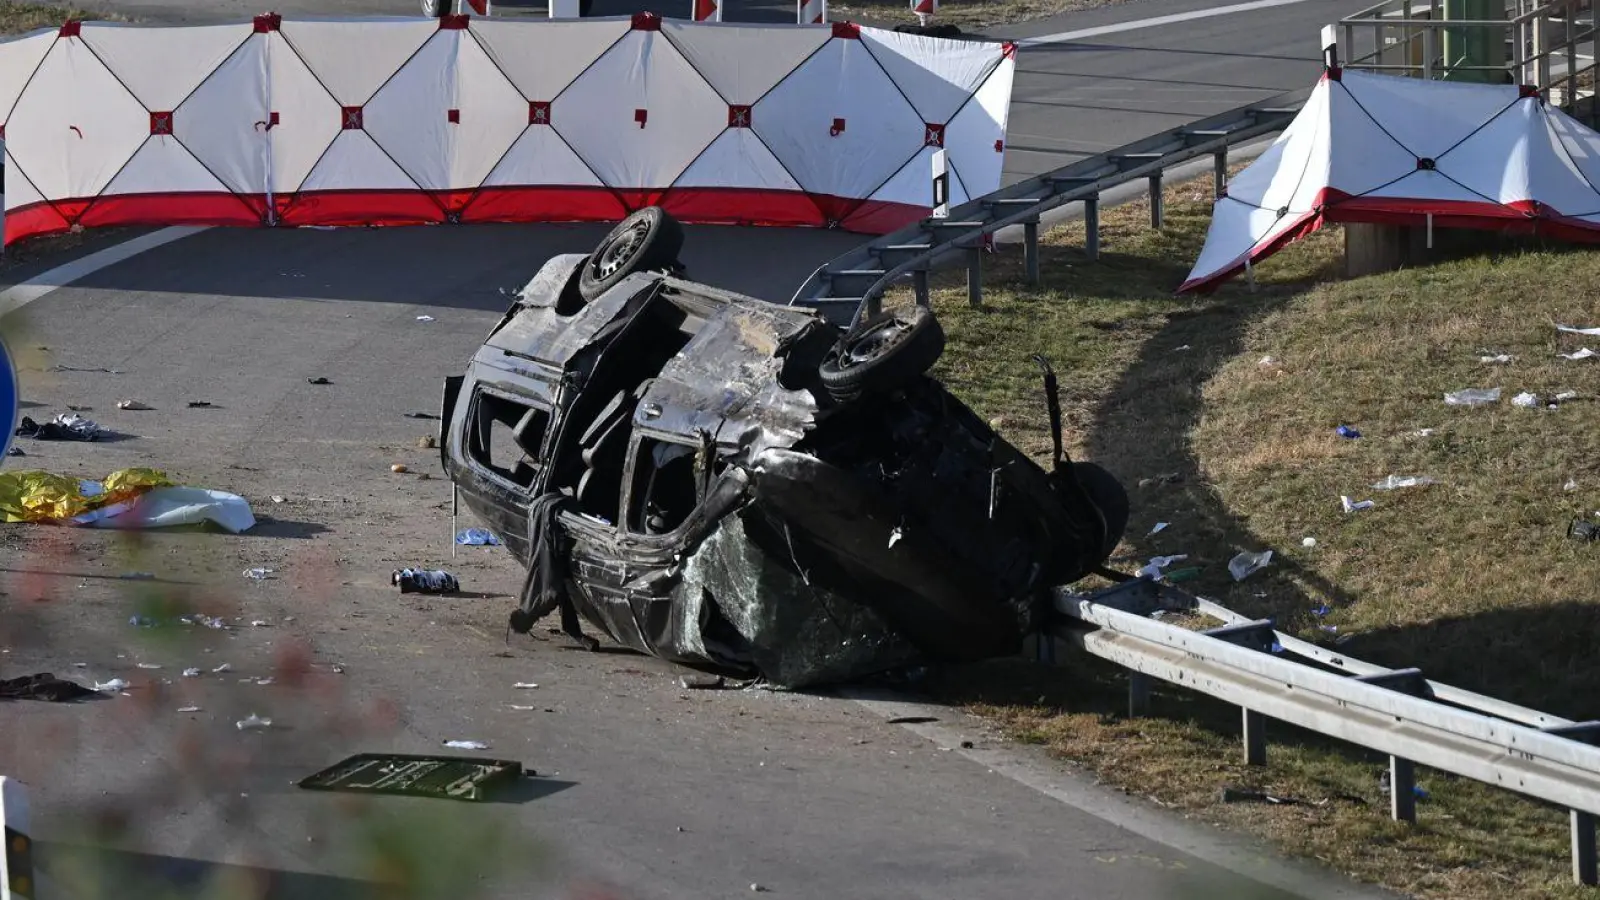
[(875, 342), (621, 249)]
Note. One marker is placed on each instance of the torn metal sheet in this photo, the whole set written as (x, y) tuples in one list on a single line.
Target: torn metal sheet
[(737, 485)]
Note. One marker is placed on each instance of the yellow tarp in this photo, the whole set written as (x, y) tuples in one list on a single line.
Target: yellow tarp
[(44, 497)]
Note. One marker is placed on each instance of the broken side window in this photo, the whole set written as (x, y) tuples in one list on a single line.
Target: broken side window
[(505, 437), (664, 491)]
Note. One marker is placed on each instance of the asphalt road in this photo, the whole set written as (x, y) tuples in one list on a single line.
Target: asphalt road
[(658, 791)]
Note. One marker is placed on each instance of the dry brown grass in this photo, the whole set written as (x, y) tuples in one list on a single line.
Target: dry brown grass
[(19, 18), (1471, 579), (969, 15)]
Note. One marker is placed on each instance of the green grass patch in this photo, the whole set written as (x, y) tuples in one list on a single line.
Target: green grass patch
[(1472, 579), (969, 15)]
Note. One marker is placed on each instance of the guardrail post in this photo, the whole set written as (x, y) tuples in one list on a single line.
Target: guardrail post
[(919, 285), (975, 277), (1138, 694), (1219, 173), (1584, 870), (1402, 790), (1091, 227), (1255, 738), (1155, 200), (1030, 251)]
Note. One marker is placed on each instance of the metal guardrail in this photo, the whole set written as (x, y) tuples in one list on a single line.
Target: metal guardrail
[(851, 286), (1399, 712), (1547, 43)]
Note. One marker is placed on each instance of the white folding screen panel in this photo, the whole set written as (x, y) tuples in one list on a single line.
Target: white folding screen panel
[(1407, 151), (387, 121)]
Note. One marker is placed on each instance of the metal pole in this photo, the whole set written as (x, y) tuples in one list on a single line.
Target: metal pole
[(1138, 694), (975, 277), (1583, 856), (1091, 227), (1255, 738), (1402, 790), (1030, 251), (455, 510), (1219, 173), (919, 284), (1155, 201)]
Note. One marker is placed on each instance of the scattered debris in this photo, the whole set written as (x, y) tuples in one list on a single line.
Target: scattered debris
[(279, 498), (259, 623), (477, 537), (1571, 485), (399, 468), (149, 665), (1177, 576), (1585, 353), (1346, 432), (1244, 795), (225, 667), (1351, 506), (114, 686), (1308, 542), (1246, 564), (133, 405), (15, 451), (200, 404), (1472, 397), (64, 427), (1525, 400), (441, 777), (1500, 358), (1384, 786), (59, 368), (1321, 610), (1580, 530), (188, 709), (43, 686), (191, 673), (421, 415), (424, 581), (258, 574), (425, 318), (1158, 480), (318, 380), (912, 720), (253, 723), (1159, 527), (525, 685), (1394, 482), (1153, 568), (1564, 396), (702, 682), (428, 442), (466, 745), (1426, 432), (1266, 361), (1592, 332), (757, 888)]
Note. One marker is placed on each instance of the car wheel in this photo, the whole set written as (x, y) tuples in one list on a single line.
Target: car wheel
[(646, 240), (433, 9), (888, 352), (1110, 497)]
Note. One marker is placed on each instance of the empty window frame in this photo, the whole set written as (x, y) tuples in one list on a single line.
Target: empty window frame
[(665, 489), (505, 437)]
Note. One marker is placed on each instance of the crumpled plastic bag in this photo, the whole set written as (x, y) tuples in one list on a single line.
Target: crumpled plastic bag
[(34, 496)]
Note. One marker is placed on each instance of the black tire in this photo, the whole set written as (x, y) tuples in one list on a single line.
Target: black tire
[(1110, 496), (647, 239), (888, 352)]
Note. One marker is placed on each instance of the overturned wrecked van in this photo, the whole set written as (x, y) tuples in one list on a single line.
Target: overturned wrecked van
[(737, 485)]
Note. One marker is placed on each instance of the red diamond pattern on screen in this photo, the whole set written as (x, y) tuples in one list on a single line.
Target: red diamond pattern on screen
[(402, 120)]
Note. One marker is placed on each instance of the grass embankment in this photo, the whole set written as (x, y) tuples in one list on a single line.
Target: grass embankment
[(968, 15), (1472, 579)]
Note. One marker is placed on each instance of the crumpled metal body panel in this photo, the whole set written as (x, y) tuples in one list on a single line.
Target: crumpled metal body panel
[(828, 542)]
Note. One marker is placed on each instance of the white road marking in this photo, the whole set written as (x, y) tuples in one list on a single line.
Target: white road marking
[(1241, 856), (22, 294), (1154, 22)]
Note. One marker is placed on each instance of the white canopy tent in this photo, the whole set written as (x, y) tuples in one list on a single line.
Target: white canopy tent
[(1408, 151)]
